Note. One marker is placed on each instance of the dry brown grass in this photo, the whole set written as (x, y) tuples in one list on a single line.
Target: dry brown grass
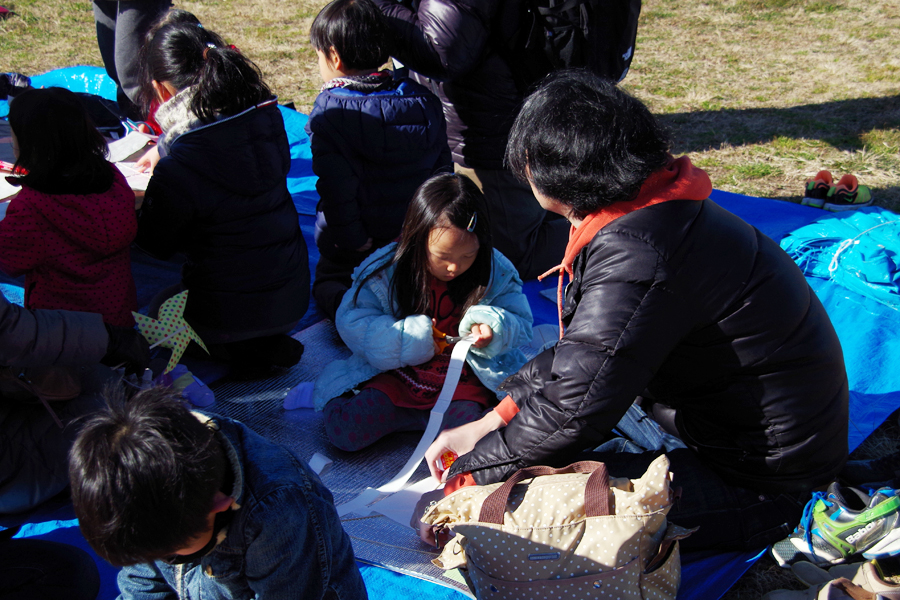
[(761, 93)]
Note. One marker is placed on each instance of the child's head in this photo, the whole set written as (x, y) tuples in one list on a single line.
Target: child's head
[(57, 143), (179, 53), (145, 475), (353, 31), (445, 236)]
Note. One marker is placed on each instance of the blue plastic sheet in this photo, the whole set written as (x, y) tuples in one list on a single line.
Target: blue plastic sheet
[(90, 80), (869, 332), (857, 250)]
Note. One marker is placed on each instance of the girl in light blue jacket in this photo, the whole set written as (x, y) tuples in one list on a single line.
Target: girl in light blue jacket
[(441, 276)]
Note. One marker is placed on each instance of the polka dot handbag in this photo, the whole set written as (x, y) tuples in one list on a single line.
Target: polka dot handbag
[(564, 533)]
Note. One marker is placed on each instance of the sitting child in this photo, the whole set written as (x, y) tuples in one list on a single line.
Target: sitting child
[(203, 507), (70, 228), (219, 195), (374, 140), (443, 274)]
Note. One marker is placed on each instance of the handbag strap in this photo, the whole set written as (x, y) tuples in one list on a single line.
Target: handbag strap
[(596, 490)]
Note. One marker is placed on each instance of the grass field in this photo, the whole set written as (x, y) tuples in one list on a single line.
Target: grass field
[(761, 93)]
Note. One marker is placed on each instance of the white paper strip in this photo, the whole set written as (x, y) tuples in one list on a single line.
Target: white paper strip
[(360, 504)]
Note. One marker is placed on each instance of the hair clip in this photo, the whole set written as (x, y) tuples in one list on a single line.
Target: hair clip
[(471, 226), (210, 45)]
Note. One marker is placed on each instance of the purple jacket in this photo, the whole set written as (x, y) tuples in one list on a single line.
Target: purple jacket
[(450, 47)]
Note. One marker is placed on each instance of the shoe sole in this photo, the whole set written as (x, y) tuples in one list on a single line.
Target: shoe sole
[(793, 550), (814, 202), (889, 545), (845, 207)]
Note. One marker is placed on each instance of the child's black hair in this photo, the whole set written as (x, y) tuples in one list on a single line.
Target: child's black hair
[(444, 200), (356, 29), (183, 53), (59, 145), (144, 474)]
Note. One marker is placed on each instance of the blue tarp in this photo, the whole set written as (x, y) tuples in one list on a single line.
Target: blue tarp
[(869, 332)]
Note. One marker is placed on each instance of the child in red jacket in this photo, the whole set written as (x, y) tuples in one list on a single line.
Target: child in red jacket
[(70, 227)]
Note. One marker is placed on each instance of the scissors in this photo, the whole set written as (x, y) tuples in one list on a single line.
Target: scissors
[(443, 340)]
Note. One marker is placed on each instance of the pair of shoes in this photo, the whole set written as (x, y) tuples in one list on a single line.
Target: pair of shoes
[(856, 581), (842, 523), (847, 194)]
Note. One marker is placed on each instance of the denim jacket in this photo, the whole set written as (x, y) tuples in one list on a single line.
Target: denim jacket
[(284, 541)]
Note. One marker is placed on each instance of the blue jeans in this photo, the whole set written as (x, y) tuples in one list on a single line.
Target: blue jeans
[(728, 517)]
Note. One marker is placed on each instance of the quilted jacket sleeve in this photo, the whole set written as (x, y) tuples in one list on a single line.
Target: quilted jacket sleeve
[(441, 39), (627, 320), (337, 184), (34, 338), (508, 314), (167, 211), (385, 341), (21, 249)]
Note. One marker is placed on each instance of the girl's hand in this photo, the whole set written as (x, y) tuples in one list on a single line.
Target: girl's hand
[(460, 440), (483, 335), (148, 161)]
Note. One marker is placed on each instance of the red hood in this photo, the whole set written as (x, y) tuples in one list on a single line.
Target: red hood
[(678, 180)]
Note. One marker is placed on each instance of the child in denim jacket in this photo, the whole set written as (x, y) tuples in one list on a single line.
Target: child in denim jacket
[(202, 505), (374, 139)]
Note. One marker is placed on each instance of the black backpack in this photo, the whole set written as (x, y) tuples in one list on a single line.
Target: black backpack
[(559, 34)]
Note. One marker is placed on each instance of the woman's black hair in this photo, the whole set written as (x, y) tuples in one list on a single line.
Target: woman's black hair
[(584, 142), (180, 51), (356, 29), (59, 145), (144, 474), (444, 200)]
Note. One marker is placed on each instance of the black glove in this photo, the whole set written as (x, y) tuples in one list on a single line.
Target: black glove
[(128, 346)]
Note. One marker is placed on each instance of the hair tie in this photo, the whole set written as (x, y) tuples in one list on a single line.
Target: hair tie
[(471, 226), (209, 45)]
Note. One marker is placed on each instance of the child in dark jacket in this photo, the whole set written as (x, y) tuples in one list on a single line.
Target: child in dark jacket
[(375, 139), (70, 227), (219, 195)]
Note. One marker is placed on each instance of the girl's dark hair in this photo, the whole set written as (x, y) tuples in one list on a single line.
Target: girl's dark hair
[(442, 201), (584, 142), (144, 475), (59, 145), (356, 29), (182, 52)]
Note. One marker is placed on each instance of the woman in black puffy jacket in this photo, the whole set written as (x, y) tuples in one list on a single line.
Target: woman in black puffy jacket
[(677, 302)]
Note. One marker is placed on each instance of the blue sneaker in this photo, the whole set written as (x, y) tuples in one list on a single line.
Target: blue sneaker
[(841, 523)]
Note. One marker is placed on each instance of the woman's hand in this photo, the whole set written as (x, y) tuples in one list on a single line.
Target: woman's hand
[(147, 162), (483, 335), (460, 440)]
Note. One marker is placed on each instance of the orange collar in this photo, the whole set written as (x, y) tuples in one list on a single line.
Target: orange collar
[(678, 180)]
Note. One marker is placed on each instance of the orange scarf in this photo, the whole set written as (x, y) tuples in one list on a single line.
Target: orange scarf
[(678, 180)]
